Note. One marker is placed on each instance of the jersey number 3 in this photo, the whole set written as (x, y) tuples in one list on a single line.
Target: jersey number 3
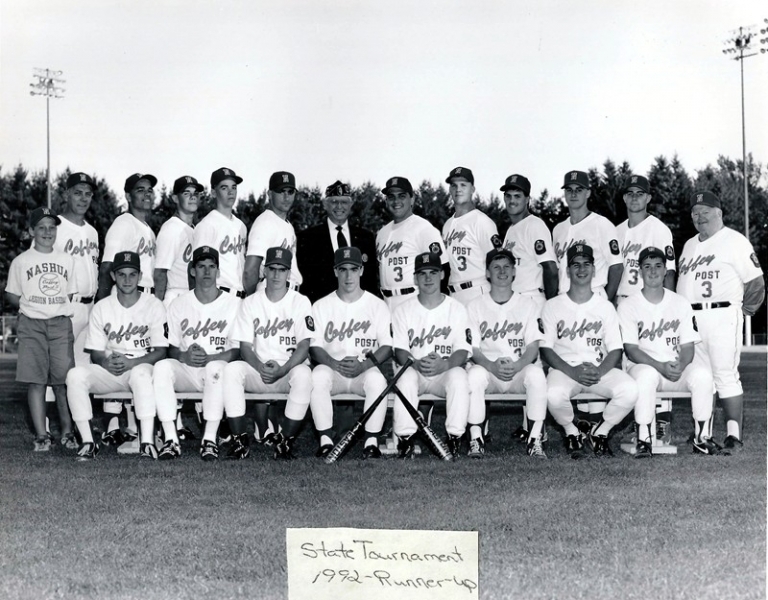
[(707, 285), (398, 273)]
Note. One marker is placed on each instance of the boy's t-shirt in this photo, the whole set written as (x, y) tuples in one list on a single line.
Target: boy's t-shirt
[(43, 281)]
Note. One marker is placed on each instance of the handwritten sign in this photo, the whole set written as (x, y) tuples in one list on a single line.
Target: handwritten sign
[(381, 564)]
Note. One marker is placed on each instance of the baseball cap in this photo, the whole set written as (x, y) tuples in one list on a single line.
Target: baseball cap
[(427, 260), (638, 181), (76, 178), (223, 173), (204, 252), (348, 255), (580, 250), (400, 183), (281, 180), (126, 259), (338, 189), (185, 181), (131, 182), (517, 182), (498, 253), (461, 172), (652, 252), (706, 199), (40, 213), (278, 256), (575, 178)]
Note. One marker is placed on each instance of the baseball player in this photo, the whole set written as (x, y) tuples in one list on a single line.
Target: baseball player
[(222, 230), (721, 277), (433, 329), (505, 346), (641, 230), (349, 323), (582, 344), (401, 240), (659, 334), (272, 229), (468, 236), (199, 348), (126, 337), (273, 328)]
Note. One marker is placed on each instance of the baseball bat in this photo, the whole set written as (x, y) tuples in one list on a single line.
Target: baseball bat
[(430, 437), (349, 438)]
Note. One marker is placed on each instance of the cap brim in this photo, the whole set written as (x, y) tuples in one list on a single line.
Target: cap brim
[(505, 188)]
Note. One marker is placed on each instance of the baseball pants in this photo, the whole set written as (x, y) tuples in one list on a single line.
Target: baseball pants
[(326, 381), (452, 385), (171, 376), (93, 379), (530, 380), (240, 376), (695, 379), (479, 287), (720, 348), (615, 385)]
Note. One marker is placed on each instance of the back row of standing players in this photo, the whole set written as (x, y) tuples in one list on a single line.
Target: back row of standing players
[(720, 277)]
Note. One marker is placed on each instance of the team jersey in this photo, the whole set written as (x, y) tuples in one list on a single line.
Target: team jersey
[(43, 282), (422, 331), (82, 243), (351, 328), (716, 269), (174, 251), (270, 231), (504, 329), (133, 331), (274, 328), (129, 233), (208, 325), (632, 240), (467, 240), (658, 329), (595, 231), (580, 332), (398, 245), (228, 236), (531, 244)]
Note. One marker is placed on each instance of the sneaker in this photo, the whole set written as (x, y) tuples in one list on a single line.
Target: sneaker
[(405, 447), (535, 448), (169, 451), (574, 446), (664, 432), (42, 444), (323, 450), (224, 434), (733, 444), (148, 451), (643, 449), (69, 441), (476, 448), (185, 433), (520, 435), (268, 439), (112, 438), (454, 445), (129, 435), (209, 451), (87, 451), (241, 447), (600, 447), (709, 447), (283, 447), (371, 451)]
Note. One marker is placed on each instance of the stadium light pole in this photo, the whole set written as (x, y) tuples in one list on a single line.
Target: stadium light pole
[(47, 84), (743, 45)]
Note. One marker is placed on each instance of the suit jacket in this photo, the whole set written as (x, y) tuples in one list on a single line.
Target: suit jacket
[(314, 255)]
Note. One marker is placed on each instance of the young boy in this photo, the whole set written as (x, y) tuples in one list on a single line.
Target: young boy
[(41, 283)]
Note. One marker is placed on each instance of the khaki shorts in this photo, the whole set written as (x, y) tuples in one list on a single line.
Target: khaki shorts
[(46, 350)]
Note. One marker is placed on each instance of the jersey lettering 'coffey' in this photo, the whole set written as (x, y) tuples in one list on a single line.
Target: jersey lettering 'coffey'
[(348, 330), (271, 328), (454, 236), (187, 256), (390, 248), (228, 246), (202, 330), (500, 331), (654, 331), (146, 247), (428, 338), (126, 332), (695, 263), (578, 330), (562, 250), (82, 248)]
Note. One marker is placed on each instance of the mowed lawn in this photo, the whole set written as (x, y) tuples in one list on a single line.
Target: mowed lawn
[(678, 527)]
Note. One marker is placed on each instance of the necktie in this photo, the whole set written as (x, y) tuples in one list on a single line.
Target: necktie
[(340, 239)]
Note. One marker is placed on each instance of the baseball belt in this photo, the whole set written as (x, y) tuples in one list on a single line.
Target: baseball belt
[(86, 300), (148, 290), (400, 292), (240, 294), (703, 305), (293, 286)]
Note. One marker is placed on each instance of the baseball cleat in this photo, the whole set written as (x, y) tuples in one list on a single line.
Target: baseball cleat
[(643, 449), (324, 450), (709, 447), (600, 447), (209, 451), (42, 444), (69, 441), (733, 444), (574, 446), (371, 451), (224, 435), (268, 439), (405, 447), (283, 447), (87, 451), (112, 438), (476, 448), (454, 445), (129, 435), (185, 433), (241, 447), (535, 448), (148, 451), (520, 435), (169, 451)]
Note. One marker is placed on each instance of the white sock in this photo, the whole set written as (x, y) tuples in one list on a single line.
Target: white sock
[(129, 412), (84, 427), (169, 431), (475, 431), (371, 441), (325, 440), (114, 423), (179, 423), (211, 429), (644, 433), (571, 429), (147, 427), (536, 428), (604, 429), (732, 428)]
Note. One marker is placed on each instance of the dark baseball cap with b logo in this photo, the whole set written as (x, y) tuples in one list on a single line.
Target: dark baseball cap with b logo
[(125, 260), (185, 181), (76, 178), (400, 183), (705, 199), (278, 256), (223, 173), (348, 255), (651, 252), (575, 178), (461, 173), (427, 260), (580, 250), (204, 252), (40, 213), (638, 181), (131, 182), (498, 253), (517, 182), (281, 180)]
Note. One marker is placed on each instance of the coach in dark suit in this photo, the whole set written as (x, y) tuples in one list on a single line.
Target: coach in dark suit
[(316, 245)]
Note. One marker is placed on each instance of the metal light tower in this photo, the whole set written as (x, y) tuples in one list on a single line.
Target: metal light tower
[(47, 85)]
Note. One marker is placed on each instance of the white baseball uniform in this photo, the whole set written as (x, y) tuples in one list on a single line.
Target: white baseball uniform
[(133, 331), (345, 329), (208, 325), (270, 231), (659, 330), (174, 251), (581, 333), (274, 329), (397, 246), (632, 240), (531, 244), (129, 233), (505, 331), (714, 272), (228, 235), (595, 231), (467, 240), (421, 331)]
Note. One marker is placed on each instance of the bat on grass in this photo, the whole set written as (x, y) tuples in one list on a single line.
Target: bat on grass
[(349, 438)]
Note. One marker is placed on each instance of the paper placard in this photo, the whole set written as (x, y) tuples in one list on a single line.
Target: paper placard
[(381, 564)]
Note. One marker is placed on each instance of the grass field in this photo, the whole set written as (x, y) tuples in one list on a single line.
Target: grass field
[(684, 527)]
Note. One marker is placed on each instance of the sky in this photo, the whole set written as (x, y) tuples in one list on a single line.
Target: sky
[(362, 90)]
